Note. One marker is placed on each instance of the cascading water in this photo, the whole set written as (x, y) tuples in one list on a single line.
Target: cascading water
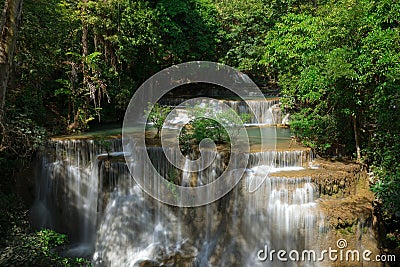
[(68, 189), (283, 160), (86, 190), (137, 229), (287, 218), (259, 111)]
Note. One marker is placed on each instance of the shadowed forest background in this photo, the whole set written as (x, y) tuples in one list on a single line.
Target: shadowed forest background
[(76, 65)]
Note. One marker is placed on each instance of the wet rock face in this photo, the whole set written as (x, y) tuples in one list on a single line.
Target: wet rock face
[(137, 229), (347, 203), (292, 209), (337, 178), (345, 195), (155, 255), (67, 186)]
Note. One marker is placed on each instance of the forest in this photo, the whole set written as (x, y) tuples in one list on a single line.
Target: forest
[(70, 66)]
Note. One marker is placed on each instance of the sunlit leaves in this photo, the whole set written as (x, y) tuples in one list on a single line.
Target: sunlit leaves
[(333, 61)]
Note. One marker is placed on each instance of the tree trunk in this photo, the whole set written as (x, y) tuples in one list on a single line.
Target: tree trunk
[(10, 20), (84, 30), (356, 137), (85, 53), (84, 41)]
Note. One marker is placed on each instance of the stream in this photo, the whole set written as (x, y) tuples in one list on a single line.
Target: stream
[(85, 189)]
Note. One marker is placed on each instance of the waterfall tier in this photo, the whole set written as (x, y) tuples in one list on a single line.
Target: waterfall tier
[(86, 190), (262, 112)]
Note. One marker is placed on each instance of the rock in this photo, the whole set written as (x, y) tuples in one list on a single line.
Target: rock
[(147, 263)]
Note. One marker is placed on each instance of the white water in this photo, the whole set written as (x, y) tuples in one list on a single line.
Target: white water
[(85, 190), (261, 112), (137, 229), (67, 181), (281, 160), (288, 215)]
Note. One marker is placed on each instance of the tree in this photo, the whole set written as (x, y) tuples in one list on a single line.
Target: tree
[(328, 76), (338, 69), (243, 32), (157, 114), (10, 21)]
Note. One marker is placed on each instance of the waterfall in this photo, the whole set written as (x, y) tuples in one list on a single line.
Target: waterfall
[(186, 174), (67, 180), (264, 112), (287, 214), (86, 190), (288, 160), (136, 229), (260, 111)]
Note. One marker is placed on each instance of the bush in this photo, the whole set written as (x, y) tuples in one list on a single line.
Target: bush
[(19, 247), (157, 115), (207, 126)]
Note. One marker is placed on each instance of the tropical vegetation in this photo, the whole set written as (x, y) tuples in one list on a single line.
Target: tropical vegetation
[(71, 65)]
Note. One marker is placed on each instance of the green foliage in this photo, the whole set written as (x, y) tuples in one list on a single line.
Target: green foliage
[(38, 249), (172, 181), (384, 150), (244, 31), (200, 129), (185, 139), (213, 127), (336, 63), (43, 38), (328, 72), (188, 30), (203, 128), (19, 247), (104, 144), (157, 114), (85, 85), (338, 69), (69, 80), (20, 137)]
